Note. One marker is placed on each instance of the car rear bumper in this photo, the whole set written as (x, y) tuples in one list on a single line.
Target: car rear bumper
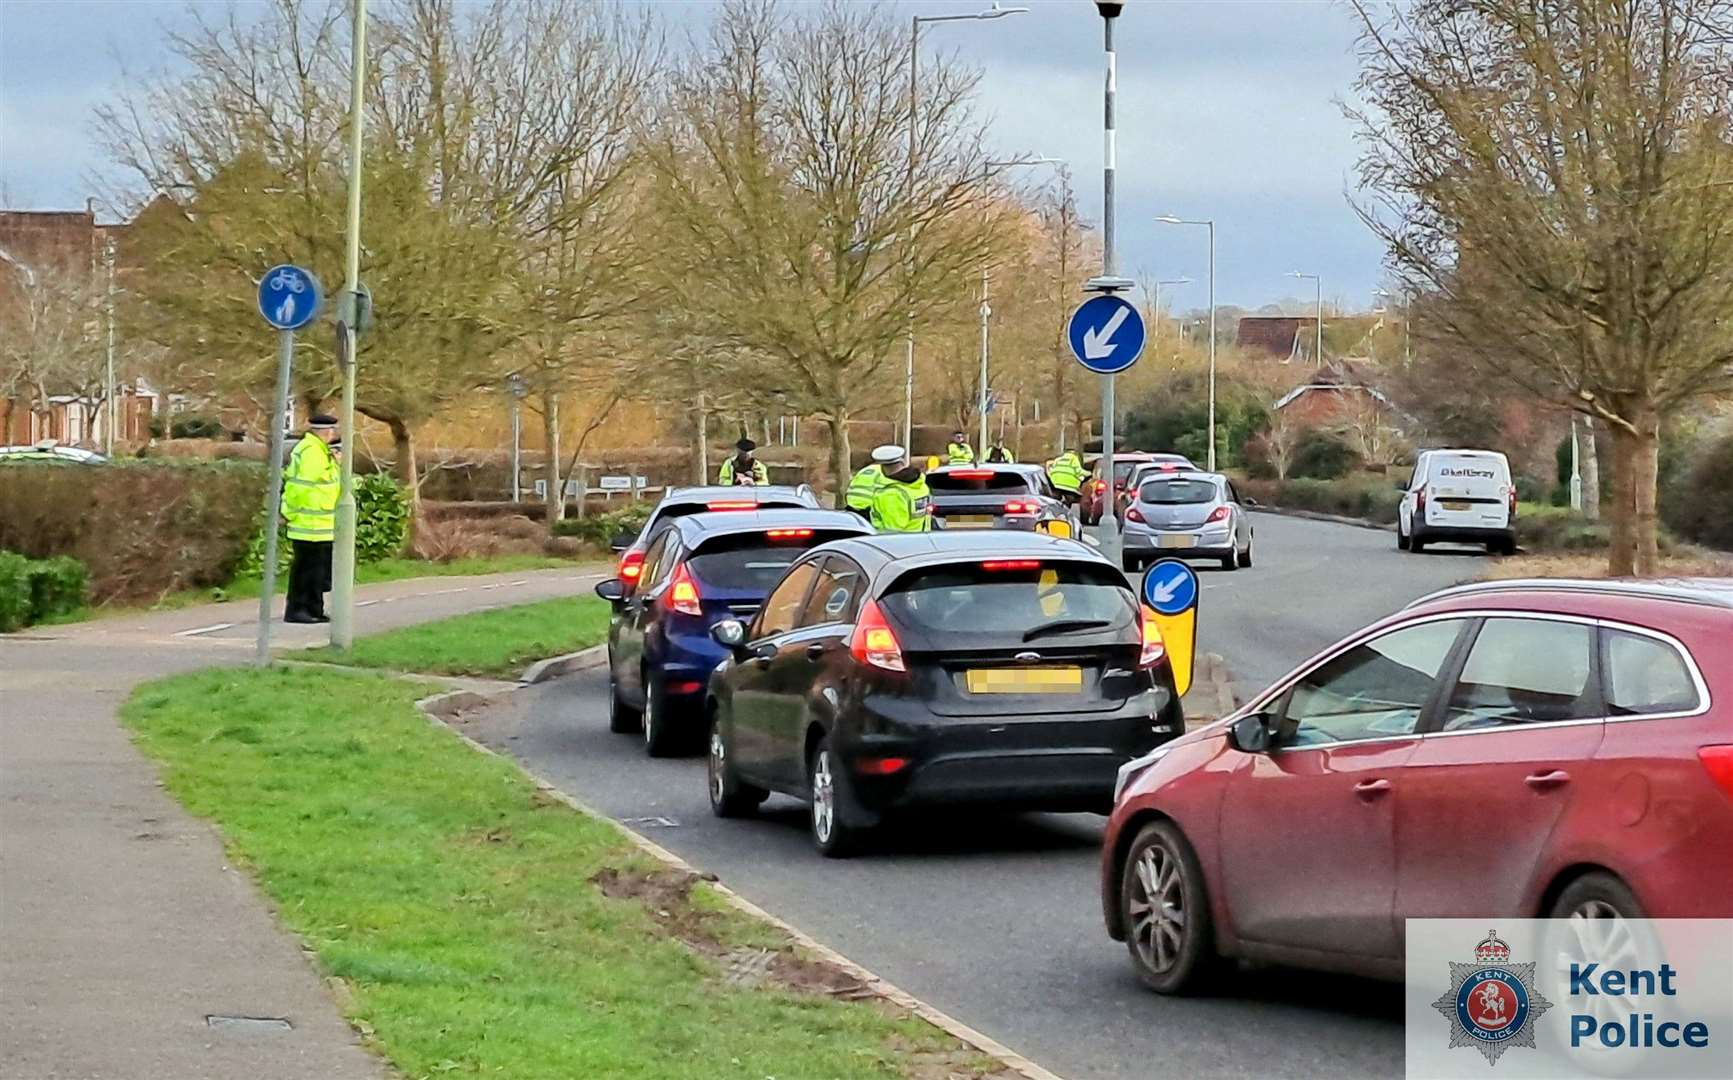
[(1208, 543), (1064, 763), (1466, 534)]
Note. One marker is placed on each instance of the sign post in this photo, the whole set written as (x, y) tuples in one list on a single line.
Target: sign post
[(1170, 595), (289, 300), (1106, 335)]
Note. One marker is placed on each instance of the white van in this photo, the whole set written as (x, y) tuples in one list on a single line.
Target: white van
[(1458, 496)]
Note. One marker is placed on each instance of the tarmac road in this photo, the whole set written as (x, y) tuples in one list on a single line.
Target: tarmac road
[(995, 919)]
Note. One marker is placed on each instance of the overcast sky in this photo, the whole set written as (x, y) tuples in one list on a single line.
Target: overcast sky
[(1226, 109)]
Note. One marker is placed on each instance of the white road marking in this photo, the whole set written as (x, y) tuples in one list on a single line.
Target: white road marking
[(365, 603), (204, 629)]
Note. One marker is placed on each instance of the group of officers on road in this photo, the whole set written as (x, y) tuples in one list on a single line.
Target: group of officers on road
[(891, 491)]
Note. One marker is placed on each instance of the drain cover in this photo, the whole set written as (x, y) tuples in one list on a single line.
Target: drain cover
[(246, 1024), (651, 822)]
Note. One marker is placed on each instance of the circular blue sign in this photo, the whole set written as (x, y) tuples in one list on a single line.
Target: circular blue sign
[(1170, 587), (288, 297), (1106, 334)]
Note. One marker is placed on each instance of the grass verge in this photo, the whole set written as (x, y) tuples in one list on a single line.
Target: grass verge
[(1594, 565), (496, 644), (480, 927)]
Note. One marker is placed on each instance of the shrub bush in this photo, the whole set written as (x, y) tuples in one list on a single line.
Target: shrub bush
[(600, 529), (196, 426), (1323, 456), (1697, 501), (57, 586), (1372, 498), (14, 591), (143, 528)]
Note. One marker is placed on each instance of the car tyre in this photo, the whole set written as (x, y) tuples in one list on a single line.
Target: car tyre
[(1415, 544), (833, 837), (1231, 561), (1165, 909), (1401, 538), (622, 718), (1596, 918), (661, 728), (1597, 895), (1245, 557), (729, 796)]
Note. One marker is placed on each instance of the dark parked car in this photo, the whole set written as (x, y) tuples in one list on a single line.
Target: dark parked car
[(993, 497), (710, 498), (897, 671), (699, 570), (1524, 749)]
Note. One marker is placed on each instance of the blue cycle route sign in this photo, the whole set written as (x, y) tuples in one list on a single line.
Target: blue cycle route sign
[(1106, 334), (288, 297), (1170, 587)]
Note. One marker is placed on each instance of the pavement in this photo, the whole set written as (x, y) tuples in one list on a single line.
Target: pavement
[(126, 937), (996, 919)]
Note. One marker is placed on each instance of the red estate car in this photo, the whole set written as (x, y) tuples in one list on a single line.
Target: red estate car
[(1513, 749), (1093, 495)]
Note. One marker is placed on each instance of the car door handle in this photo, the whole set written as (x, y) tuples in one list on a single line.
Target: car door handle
[(1368, 790), (1546, 781), (815, 650)]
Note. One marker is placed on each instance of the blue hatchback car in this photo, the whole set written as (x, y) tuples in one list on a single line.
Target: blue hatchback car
[(700, 570)]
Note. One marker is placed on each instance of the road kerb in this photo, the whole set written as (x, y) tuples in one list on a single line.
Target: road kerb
[(440, 708), (554, 666)]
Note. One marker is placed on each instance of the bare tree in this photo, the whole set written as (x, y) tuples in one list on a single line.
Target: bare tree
[(1366, 424), (1282, 441), (801, 229), (54, 344), (1554, 173)]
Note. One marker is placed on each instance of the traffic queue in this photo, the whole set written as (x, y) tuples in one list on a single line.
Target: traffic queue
[(949, 642)]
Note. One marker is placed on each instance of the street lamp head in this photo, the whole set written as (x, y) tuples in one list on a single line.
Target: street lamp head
[(1169, 219), (1109, 9), (998, 12)]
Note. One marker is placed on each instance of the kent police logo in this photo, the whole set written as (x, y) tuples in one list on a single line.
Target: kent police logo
[(1492, 1004)]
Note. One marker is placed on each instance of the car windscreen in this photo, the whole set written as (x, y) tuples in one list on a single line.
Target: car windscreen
[(754, 562), (1032, 599), (944, 483), (1122, 470), (1177, 492)]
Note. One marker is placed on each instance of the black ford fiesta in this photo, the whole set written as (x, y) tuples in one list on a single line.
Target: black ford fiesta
[(897, 671)]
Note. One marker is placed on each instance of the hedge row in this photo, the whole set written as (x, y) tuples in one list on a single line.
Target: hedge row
[(1373, 498), (33, 590)]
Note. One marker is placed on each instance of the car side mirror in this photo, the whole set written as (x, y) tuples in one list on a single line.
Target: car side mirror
[(730, 633), (1251, 733), (621, 542), (1249, 501), (612, 590)]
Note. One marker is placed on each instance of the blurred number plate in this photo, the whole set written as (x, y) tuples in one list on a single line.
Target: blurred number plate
[(1452, 504), (1056, 680), (1176, 540), (969, 521)]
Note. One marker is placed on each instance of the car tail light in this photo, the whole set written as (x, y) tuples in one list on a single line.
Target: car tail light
[(1420, 502), (685, 687), (1018, 506), (1011, 564), (732, 504), (1154, 651), (1220, 513), (1134, 514), (971, 474), (683, 592), (1169, 466), (631, 567), (874, 642), (881, 766), (1512, 495), (789, 534), (1718, 761)]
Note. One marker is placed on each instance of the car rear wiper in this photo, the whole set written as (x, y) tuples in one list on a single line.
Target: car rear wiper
[(1065, 626)]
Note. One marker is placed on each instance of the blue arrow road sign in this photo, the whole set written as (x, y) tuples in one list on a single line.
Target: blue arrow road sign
[(1106, 334), (288, 297), (1170, 587)]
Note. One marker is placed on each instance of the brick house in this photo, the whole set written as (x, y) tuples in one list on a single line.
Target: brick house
[(1282, 337)]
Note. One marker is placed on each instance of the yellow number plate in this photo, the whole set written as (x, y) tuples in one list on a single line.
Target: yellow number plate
[(1176, 540), (969, 521), (1053, 680), (1054, 527), (1451, 504)]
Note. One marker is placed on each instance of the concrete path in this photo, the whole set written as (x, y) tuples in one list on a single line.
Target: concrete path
[(125, 935)]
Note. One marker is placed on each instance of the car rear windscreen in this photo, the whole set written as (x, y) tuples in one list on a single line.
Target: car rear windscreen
[(1029, 598), (1177, 492), (754, 562), (1014, 483)]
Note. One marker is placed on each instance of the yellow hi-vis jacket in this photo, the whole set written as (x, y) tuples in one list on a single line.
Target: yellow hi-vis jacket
[(310, 487), (1067, 472), (864, 485), (959, 453), (902, 507), (726, 474)]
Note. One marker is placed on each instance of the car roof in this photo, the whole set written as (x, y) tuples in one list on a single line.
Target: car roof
[(881, 554), (1021, 468), (1188, 474), (1514, 592), (699, 527), (755, 492)]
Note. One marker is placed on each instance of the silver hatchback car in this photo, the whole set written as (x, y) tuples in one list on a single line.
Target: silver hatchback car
[(1188, 515)]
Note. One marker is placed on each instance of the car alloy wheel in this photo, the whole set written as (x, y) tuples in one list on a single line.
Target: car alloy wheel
[(728, 796), (1596, 920), (658, 738), (833, 838), (717, 764), (1165, 911)]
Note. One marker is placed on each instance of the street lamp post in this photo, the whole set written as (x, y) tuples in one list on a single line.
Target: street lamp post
[(1208, 223), (994, 12), (1107, 530), (1155, 316), (343, 551), (517, 388), (1319, 358)]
